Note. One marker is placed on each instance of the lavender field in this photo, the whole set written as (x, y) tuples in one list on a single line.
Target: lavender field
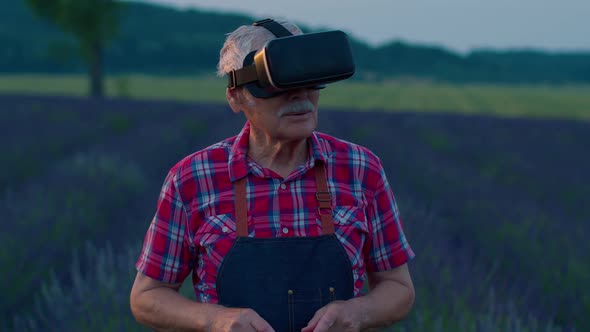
[(495, 209)]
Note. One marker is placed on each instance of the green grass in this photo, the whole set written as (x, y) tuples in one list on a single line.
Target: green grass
[(566, 101)]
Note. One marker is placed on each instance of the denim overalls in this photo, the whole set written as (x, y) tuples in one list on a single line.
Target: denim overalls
[(285, 280)]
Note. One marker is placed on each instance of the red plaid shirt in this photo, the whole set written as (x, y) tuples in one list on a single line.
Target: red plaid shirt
[(194, 225)]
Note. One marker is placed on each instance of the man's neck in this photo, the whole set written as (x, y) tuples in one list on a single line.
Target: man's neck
[(282, 157)]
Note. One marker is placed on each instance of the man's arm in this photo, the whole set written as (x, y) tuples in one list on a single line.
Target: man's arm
[(390, 299), (160, 306)]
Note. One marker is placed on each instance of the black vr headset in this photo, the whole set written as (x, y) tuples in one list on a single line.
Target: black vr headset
[(291, 62)]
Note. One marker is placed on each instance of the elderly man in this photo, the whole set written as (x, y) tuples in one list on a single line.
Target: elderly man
[(280, 225)]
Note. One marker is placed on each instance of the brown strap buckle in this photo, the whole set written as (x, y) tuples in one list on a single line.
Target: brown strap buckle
[(323, 196), (325, 200)]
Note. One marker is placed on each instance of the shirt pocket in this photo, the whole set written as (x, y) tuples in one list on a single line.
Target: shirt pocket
[(215, 233), (351, 229), (350, 219)]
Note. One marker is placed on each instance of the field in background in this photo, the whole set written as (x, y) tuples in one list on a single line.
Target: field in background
[(503, 200), (495, 209), (504, 100)]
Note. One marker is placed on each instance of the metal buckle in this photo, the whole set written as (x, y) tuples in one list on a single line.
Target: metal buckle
[(232, 80)]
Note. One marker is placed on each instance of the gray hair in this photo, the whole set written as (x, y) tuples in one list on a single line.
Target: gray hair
[(244, 40)]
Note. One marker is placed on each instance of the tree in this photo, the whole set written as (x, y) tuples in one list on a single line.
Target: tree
[(92, 22)]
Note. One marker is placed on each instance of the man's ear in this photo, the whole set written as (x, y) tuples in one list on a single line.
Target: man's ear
[(235, 99)]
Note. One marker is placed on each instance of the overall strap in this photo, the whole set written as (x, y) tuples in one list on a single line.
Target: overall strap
[(241, 208), (322, 195), (324, 199)]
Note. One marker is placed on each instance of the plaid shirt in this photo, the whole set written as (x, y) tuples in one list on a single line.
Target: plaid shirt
[(194, 225)]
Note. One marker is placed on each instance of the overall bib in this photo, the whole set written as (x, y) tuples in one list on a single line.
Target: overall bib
[(285, 280)]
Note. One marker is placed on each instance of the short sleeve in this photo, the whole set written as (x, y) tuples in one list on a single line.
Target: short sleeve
[(166, 255), (386, 246)]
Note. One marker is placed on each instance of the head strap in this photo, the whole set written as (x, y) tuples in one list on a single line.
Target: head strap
[(271, 25), (248, 74)]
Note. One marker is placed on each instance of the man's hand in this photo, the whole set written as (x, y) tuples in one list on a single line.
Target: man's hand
[(238, 320), (390, 298), (342, 316)]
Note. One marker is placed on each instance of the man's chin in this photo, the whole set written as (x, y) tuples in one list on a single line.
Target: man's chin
[(297, 135)]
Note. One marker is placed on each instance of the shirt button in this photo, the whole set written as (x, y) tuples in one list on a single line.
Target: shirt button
[(224, 229), (283, 186), (285, 230)]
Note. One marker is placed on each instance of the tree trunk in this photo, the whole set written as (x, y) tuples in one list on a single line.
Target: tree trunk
[(96, 73)]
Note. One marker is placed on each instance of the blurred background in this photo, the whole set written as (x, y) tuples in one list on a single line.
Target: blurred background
[(479, 111)]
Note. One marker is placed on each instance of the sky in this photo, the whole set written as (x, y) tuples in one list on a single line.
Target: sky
[(460, 25)]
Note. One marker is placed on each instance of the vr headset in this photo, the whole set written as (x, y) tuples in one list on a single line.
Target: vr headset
[(291, 62)]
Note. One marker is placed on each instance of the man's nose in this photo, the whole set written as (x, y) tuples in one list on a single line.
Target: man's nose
[(298, 93)]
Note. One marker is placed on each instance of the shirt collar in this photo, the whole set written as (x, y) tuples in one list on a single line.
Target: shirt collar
[(238, 165)]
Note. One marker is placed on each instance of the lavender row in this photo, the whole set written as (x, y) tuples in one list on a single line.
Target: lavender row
[(97, 299)]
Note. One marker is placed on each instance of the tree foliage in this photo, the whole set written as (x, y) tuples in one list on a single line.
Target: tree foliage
[(162, 40), (92, 22)]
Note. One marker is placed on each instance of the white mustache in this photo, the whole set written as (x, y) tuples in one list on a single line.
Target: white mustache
[(298, 107)]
